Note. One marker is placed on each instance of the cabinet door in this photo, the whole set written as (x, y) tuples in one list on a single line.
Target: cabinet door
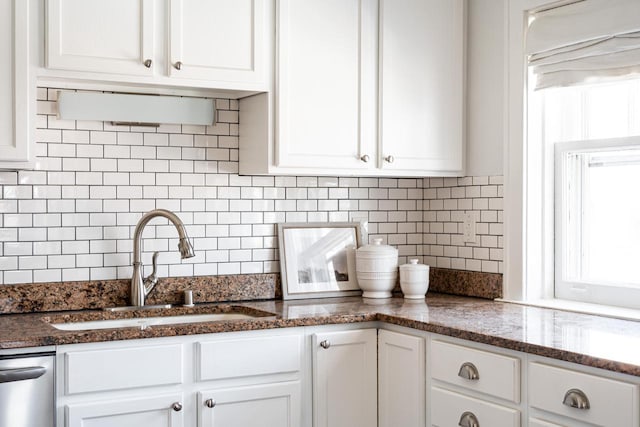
[(114, 36), (326, 84), (344, 379), (252, 406), (155, 411), (17, 88), (401, 380), (218, 40), (422, 85)]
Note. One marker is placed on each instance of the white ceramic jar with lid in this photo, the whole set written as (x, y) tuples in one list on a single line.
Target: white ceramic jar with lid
[(377, 269), (414, 279)]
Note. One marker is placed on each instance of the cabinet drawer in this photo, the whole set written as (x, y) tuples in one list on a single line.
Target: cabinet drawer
[(236, 358), (497, 375), (611, 402), (449, 408), (122, 368)]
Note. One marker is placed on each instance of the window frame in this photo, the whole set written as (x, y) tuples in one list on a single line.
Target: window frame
[(524, 253)]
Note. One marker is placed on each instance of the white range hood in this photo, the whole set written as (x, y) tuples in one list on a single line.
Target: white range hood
[(135, 109)]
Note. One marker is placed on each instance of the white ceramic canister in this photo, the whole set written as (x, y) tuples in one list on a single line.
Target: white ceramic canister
[(414, 279), (377, 269)]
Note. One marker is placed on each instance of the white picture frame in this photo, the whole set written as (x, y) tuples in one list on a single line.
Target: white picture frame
[(317, 260)]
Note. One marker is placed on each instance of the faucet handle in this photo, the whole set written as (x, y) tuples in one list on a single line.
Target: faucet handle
[(152, 279)]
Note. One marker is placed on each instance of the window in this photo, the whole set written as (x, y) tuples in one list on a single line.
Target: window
[(591, 152)]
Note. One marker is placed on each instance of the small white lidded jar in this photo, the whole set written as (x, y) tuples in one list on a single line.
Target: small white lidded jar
[(414, 279)]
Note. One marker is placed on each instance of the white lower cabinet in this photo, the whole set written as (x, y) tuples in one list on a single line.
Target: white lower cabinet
[(157, 411), (248, 380), (401, 380), (331, 376), (344, 378), (241, 379), (252, 406)]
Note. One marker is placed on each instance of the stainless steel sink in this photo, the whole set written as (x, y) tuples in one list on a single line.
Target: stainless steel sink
[(144, 322)]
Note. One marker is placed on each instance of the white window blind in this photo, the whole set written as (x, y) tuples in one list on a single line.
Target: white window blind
[(584, 42)]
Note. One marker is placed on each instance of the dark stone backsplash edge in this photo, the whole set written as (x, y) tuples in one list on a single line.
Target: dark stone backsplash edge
[(63, 296)]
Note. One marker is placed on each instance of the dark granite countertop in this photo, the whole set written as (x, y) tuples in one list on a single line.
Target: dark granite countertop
[(595, 341)]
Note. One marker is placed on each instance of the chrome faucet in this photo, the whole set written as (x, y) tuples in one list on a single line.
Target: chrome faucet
[(140, 287)]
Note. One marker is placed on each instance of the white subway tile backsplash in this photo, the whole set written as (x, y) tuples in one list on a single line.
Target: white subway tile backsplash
[(73, 217)]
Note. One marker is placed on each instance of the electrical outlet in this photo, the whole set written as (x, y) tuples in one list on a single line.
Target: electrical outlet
[(469, 228)]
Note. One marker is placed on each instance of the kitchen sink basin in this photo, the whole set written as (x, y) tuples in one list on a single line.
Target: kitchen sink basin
[(143, 319), (148, 321)]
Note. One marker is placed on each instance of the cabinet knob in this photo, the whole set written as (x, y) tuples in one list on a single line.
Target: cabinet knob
[(177, 406), (210, 403), (365, 158), (147, 63), (389, 159), (468, 419), (576, 398), (177, 65), (468, 371), (325, 344)]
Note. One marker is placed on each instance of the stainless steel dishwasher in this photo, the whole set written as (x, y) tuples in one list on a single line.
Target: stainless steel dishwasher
[(27, 390)]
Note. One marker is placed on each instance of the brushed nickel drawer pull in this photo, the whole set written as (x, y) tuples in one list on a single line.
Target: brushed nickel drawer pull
[(177, 406), (576, 398), (147, 63), (468, 419), (468, 371), (325, 344), (210, 403)]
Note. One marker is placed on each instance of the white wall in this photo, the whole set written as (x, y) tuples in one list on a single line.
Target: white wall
[(485, 86)]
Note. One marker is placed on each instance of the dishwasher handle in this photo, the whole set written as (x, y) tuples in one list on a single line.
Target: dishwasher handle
[(21, 374)]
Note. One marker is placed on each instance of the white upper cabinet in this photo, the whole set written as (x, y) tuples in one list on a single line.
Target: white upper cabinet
[(213, 44), (101, 36), (17, 87), (422, 85), (326, 83), (364, 88), (220, 40)]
